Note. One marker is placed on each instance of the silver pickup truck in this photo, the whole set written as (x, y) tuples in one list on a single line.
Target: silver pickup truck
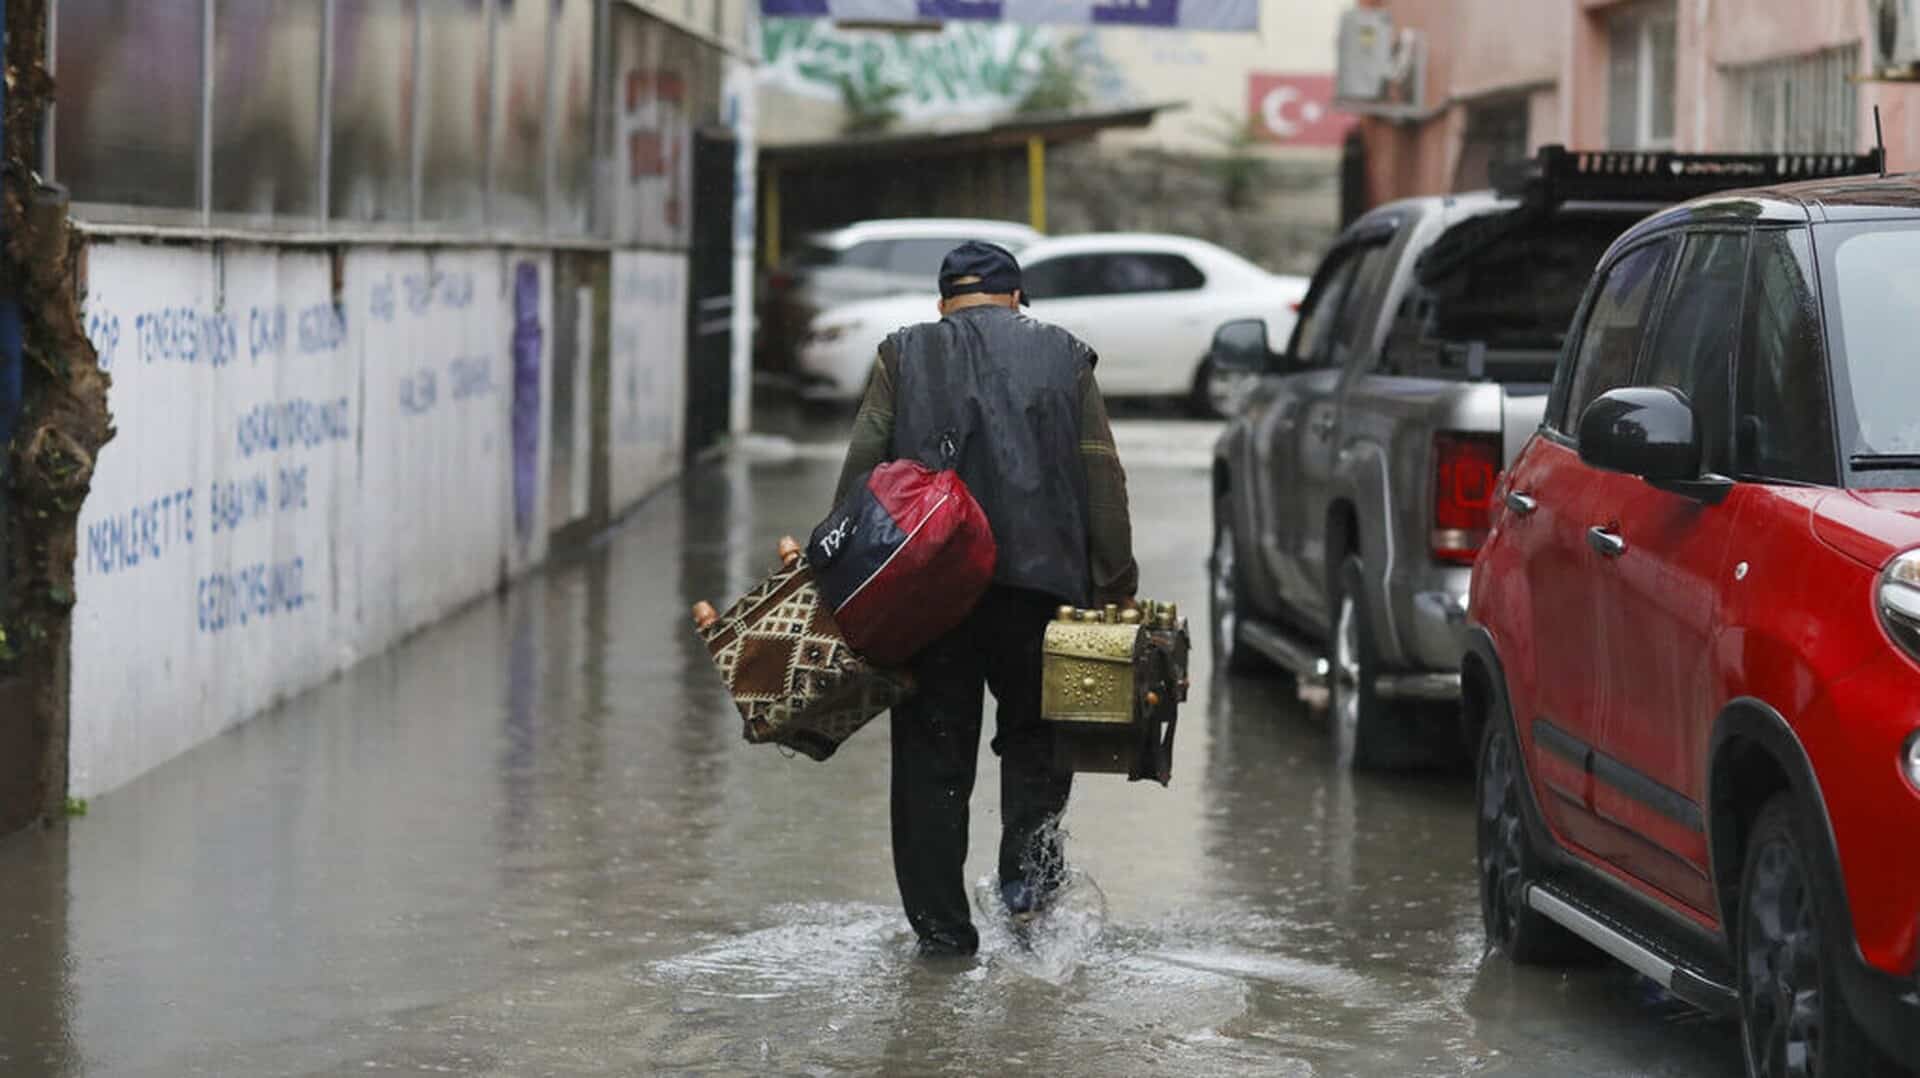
[(1353, 485)]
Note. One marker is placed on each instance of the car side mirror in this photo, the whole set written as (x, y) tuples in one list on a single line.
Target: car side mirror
[(1650, 432), (1240, 347)]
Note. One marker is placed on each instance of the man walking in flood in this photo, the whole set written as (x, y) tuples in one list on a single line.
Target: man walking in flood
[(1017, 399)]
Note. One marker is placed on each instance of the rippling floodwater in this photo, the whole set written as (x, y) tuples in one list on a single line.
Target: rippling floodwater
[(530, 842)]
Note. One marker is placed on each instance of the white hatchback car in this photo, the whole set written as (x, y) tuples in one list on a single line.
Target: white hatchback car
[(1148, 304), (867, 260)]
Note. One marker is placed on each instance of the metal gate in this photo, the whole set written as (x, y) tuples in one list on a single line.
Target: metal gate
[(710, 294)]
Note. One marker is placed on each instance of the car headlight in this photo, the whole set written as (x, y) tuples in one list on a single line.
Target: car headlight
[(1899, 601)]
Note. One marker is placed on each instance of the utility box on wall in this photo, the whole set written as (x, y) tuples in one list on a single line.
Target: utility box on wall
[(1380, 70)]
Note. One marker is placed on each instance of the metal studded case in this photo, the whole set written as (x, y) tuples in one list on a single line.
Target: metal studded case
[(1111, 685)]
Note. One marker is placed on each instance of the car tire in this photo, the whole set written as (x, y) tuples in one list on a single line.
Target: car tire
[(1367, 733), (1227, 596), (1793, 1019), (1505, 859), (1200, 396)]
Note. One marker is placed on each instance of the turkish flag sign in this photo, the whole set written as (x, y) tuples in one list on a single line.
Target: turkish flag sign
[(1296, 110)]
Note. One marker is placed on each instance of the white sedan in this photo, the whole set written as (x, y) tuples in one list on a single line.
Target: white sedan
[(1148, 304)]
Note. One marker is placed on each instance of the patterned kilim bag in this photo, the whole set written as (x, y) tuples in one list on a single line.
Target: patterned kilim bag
[(792, 675)]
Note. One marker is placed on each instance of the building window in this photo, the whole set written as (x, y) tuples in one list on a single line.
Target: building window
[(1640, 78), (1496, 134), (1803, 104)]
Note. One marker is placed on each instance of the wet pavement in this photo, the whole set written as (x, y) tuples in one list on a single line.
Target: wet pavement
[(530, 841)]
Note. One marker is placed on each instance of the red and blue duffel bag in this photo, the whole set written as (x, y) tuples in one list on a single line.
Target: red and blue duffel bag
[(903, 560)]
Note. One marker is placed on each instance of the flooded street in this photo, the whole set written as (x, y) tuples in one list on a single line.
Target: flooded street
[(530, 841)]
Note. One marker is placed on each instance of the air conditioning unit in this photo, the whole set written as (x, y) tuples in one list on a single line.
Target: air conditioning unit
[(1380, 71), (1896, 36), (1366, 54)]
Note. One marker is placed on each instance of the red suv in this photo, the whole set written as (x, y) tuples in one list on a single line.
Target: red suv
[(1694, 676)]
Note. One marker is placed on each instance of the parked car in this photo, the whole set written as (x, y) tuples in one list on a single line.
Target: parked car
[(1353, 488), (865, 261), (1694, 665), (1147, 304)]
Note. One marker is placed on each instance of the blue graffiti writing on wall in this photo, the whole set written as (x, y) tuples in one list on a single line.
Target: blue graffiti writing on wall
[(323, 328), (103, 329), (419, 391), (643, 420), (318, 329), (525, 412), (380, 300), (141, 534), (266, 331), (293, 424), (293, 488), (470, 376), (258, 592), (641, 286), (233, 502), (185, 335), (453, 291)]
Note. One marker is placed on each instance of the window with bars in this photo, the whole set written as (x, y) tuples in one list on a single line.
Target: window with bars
[(1801, 104), (1641, 57)]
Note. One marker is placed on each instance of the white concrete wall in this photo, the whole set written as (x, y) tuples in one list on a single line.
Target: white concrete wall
[(298, 478), (647, 350)]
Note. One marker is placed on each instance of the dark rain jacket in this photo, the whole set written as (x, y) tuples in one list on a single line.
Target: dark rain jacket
[(1016, 400)]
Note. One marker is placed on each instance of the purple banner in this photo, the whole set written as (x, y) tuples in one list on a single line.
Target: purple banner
[(1231, 16), (989, 10), (1136, 12)]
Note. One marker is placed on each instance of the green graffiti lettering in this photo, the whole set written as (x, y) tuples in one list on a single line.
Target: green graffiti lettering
[(778, 36), (963, 63)]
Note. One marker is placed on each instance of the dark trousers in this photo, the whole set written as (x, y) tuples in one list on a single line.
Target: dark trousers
[(936, 742)]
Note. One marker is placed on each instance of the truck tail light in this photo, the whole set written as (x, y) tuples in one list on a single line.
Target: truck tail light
[(1465, 469)]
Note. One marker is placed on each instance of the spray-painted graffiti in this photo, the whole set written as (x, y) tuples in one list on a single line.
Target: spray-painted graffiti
[(963, 68), (525, 418), (653, 130), (315, 455)]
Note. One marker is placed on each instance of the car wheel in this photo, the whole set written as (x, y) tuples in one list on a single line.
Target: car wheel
[(1200, 397), (1366, 732), (1793, 1021), (1226, 596), (1505, 859)]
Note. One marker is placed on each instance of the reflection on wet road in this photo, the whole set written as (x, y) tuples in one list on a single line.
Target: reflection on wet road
[(530, 841)]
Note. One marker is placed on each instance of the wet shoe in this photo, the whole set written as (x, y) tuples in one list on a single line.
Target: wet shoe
[(1024, 901), (945, 947)]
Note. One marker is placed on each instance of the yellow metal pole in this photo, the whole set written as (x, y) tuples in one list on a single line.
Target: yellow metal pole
[(1037, 183), (773, 217)]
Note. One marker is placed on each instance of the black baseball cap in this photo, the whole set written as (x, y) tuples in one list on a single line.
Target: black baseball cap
[(976, 266)]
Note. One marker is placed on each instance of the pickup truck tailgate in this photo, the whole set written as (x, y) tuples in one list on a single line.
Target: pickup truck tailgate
[(1521, 410)]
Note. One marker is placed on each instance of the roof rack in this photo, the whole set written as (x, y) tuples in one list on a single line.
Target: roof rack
[(1558, 174)]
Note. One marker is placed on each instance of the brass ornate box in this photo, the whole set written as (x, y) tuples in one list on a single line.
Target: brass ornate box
[(1111, 684)]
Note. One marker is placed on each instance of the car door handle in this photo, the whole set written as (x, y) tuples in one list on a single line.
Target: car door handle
[(1521, 504), (1321, 426), (1605, 543)]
